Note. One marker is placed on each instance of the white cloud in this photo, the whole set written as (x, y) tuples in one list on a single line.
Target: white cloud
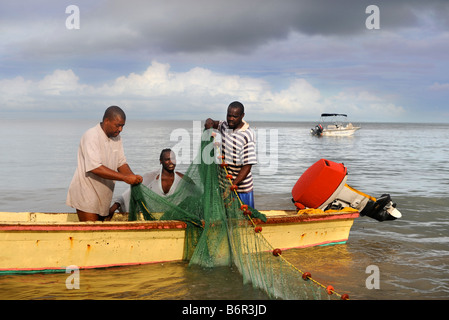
[(299, 98), (59, 82), (158, 92), (364, 105), (158, 81), (19, 94), (439, 86)]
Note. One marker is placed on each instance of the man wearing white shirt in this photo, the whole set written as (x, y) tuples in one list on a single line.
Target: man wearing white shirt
[(101, 161), (163, 181)]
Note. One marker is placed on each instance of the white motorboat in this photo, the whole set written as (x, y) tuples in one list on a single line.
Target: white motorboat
[(338, 126)]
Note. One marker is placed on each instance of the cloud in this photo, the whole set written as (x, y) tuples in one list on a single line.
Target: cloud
[(58, 83), (159, 92), (291, 58), (299, 99), (362, 104), (242, 26), (439, 87), (176, 26), (54, 84), (54, 92), (158, 80)]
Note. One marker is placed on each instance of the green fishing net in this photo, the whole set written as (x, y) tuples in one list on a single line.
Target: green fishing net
[(220, 232)]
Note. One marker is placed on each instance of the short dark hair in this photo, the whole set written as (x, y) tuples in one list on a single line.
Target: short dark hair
[(112, 112), (237, 104), (163, 151)]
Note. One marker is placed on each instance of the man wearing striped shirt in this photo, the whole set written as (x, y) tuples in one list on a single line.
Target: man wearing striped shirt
[(238, 148)]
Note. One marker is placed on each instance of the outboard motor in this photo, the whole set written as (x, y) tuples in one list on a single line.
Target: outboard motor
[(318, 130), (323, 186), (382, 209)]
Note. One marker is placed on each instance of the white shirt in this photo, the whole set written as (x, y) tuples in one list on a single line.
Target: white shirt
[(89, 192), (153, 181)]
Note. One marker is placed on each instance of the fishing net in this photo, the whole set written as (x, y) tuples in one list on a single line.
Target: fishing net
[(221, 230)]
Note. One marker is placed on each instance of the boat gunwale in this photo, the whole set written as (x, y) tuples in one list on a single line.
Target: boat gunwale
[(89, 226), (312, 217), (161, 224)]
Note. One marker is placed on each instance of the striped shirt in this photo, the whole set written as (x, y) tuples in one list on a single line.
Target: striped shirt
[(239, 149)]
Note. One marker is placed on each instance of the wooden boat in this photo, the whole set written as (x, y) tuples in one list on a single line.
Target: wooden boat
[(50, 242)]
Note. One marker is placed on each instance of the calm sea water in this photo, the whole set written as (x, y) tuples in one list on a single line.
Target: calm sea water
[(409, 161)]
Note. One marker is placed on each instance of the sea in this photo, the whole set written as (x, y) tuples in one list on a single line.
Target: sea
[(404, 259)]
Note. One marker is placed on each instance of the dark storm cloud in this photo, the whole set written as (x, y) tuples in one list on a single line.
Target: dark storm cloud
[(242, 25), (203, 25)]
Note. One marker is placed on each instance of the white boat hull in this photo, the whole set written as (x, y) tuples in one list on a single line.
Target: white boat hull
[(343, 132)]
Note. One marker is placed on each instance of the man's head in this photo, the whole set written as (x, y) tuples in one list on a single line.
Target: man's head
[(168, 160), (113, 121), (234, 117)]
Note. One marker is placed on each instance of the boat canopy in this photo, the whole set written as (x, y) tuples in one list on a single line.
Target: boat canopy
[(333, 114)]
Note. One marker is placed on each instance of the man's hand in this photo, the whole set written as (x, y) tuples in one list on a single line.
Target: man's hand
[(211, 124), (133, 179), (112, 210)]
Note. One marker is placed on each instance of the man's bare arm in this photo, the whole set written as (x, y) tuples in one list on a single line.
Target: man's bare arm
[(124, 174), (246, 169)]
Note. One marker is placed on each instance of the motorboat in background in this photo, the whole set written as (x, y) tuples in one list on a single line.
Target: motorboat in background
[(337, 126)]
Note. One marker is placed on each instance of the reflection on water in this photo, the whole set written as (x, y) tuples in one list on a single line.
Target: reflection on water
[(172, 281)]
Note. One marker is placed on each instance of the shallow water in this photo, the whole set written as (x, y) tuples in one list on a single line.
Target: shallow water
[(409, 161)]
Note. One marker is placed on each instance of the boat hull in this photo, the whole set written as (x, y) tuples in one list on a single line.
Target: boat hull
[(339, 132), (51, 242)]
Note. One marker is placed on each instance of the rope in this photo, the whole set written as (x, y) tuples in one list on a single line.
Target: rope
[(277, 252)]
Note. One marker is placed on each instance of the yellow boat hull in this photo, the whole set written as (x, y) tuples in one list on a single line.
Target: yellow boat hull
[(50, 242)]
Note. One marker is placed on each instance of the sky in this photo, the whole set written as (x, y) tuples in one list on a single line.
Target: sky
[(285, 60)]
